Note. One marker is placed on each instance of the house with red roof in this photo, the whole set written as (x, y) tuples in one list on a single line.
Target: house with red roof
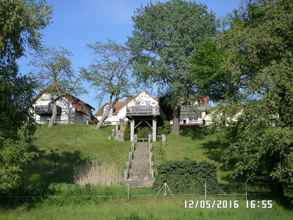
[(70, 109)]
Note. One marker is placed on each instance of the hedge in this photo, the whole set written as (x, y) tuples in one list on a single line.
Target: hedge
[(187, 176)]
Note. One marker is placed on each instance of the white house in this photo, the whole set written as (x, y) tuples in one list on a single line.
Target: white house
[(138, 110), (70, 109), (195, 114), (121, 107), (191, 115)]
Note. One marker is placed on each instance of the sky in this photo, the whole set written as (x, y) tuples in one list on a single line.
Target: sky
[(76, 23)]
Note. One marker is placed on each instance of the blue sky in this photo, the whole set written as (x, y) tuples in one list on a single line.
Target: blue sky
[(79, 22)]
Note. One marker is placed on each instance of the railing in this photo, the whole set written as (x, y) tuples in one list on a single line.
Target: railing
[(193, 108), (130, 158), (46, 109), (142, 110), (191, 111), (150, 147)]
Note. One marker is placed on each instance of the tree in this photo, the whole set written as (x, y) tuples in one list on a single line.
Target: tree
[(109, 73), (20, 25), (259, 53), (55, 73), (163, 40), (208, 72)]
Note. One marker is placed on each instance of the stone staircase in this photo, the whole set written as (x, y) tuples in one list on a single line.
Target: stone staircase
[(140, 171)]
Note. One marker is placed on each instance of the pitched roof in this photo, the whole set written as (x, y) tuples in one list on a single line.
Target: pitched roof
[(118, 105), (203, 100), (77, 103)]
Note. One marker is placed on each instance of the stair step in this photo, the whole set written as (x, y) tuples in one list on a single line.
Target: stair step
[(139, 173)]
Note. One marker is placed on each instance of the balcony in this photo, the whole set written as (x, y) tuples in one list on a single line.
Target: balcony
[(189, 111), (142, 111), (46, 110)]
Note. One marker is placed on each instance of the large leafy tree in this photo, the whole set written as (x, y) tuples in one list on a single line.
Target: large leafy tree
[(109, 74), (55, 74), (163, 40), (207, 68), (20, 25), (259, 53)]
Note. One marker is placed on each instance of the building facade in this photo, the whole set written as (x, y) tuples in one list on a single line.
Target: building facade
[(70, 110)]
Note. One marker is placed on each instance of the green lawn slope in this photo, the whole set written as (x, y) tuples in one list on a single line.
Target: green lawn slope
[(86, 140), (179, 147)]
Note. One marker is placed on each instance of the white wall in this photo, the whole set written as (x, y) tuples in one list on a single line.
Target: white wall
[(68, 114), (143, 99)]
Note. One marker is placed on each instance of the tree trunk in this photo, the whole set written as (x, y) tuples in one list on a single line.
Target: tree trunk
[(54, 114), (106, 112), (176, 121)]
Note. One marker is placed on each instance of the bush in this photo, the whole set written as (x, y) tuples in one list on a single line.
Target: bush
[(143, 132), (187, 176), (165, 128), (14, 157), (126, 132)]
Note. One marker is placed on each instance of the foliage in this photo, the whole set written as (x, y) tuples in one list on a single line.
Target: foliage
[(165, 128), (143, 132), (57, 157), (109, 74), (54, 68), (127, 132), (187, 176), (209, 74), (20, 25), (258, 40), (15, 100), (260, 152), (163, 40), (259, 54), (196, 132), (14, 156), (55, 75)]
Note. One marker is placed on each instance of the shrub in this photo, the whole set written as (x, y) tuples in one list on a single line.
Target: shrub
[(143, 132), (126, 132), (165, 128), (187, 176)]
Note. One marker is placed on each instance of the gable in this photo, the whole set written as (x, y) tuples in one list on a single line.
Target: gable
[(144, 99), (66, 101)]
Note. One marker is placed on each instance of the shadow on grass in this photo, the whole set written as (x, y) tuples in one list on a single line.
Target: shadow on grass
[(195, 132), (48, 167)]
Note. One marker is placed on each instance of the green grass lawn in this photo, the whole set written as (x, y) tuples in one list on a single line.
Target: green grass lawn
[(143, 209), (72, 202), (180, 147), (85, 139)]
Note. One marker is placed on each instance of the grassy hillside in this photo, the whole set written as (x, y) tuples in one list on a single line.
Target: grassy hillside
[(65, 152), (180, 147), (83, 139)]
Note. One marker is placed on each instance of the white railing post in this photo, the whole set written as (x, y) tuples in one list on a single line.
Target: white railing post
[(164, 139)]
